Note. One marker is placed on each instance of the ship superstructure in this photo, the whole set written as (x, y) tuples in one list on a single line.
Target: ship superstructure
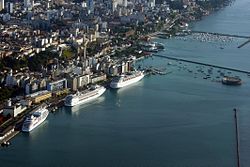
[(84, 96), (126, 79)]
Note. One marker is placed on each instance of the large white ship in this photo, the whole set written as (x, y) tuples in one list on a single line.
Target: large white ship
[(85, 96), (36, 118), (126, 79)]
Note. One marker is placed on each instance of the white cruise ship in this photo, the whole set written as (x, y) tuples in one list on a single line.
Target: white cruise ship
[(85, 96), (126, 79), (36, 118)]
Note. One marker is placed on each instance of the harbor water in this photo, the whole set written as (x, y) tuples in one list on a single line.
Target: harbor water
[(183, 119)]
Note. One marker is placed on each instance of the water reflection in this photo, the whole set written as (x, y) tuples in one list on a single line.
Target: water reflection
[(36, 133), (119, 94), (129, 88)]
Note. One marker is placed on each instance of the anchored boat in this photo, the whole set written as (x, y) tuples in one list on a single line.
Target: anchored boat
[(231, 80)]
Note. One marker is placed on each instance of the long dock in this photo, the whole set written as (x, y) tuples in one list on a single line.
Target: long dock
[(240, 46), (237, 137), (221, 34), (9, 137), (204, 64)]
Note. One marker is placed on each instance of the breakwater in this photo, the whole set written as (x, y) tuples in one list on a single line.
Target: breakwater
[(240, 46), (205, 64), (237, 137), (221, 34)]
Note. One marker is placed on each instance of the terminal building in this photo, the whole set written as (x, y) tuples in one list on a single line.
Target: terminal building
[(40, 96), (13, 110)]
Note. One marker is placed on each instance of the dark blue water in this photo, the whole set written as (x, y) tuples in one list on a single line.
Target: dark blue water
[(175, 120)]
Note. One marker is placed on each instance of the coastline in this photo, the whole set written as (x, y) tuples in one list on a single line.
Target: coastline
[(153, 34)]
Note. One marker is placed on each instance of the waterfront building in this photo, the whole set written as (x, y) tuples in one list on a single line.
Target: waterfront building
[(72, 83), (60, 92), (26, 102), (78, 81), (34, 85), (98, 78), (83, 80), (57, 85), (39, 96), (113, 70), (6, 132), (13, 110)]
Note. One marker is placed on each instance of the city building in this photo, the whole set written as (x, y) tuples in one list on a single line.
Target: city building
[(26, 3), (35, 85), (39, 96), (1, 5), (83, 80), (151, 3), (98, 78), (10, 79), (125, 3), (13, 110), (57, 85), (72, 83), (10, 7), (90, 6)]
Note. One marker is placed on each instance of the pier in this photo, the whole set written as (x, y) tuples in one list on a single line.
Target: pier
[(237, 137), (204, 64), (240, 46), (221, 34), (9, 137)]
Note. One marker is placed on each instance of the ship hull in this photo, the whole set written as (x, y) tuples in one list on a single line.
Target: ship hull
[(29, 129), (79, 102), (117, 85), (231, 82)]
